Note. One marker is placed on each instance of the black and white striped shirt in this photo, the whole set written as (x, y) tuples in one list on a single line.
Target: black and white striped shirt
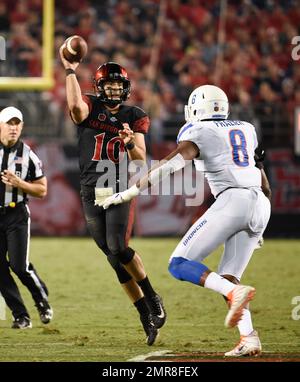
[(22, 161)]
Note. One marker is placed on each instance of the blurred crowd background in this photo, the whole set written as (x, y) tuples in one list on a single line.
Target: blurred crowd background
[(257, 72), (168, 48)]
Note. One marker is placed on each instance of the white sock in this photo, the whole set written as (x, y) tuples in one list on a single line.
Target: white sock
[(245, 324), (218, 284)]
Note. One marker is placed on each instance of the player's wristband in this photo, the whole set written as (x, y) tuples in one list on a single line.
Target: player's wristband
[(130, 145), (69, 71)]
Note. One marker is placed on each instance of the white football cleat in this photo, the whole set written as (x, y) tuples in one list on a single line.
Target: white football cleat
[(248, 346), (238, 299)]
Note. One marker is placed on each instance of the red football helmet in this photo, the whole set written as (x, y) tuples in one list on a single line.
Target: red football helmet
[(111, 71)]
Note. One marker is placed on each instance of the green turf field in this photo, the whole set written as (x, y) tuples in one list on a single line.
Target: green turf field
[(94, 320)]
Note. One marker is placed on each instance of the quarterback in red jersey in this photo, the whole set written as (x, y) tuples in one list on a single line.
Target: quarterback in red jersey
[(107, 130)]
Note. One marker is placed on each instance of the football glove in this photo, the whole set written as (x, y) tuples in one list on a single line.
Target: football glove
[(259, 158), (119, 197)]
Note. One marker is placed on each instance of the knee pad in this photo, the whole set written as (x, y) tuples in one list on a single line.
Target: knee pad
[(187, 270), (174, 267), (122, 274), (125, 256)]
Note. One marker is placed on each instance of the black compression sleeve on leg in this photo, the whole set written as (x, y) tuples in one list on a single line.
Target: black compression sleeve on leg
[(126, 256), (122, 274)]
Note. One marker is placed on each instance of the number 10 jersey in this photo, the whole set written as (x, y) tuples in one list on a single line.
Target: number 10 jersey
[(101, 150)]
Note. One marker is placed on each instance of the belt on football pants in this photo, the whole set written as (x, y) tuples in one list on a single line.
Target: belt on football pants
[(12, 206)]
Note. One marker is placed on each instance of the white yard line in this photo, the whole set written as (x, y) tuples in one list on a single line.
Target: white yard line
[(142, 357)]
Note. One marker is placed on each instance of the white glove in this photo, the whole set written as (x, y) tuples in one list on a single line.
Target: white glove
[(120, 197)]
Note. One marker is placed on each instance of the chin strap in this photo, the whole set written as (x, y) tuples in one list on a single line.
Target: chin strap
[(112, 103)]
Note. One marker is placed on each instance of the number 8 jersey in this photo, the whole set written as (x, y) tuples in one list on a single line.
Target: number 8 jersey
[(226, 153), (99, 138)]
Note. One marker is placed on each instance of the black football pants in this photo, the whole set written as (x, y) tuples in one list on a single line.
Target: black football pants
[(110, 229), (14, 255)]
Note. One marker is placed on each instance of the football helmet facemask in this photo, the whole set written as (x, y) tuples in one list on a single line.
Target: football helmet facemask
[(108, 72)]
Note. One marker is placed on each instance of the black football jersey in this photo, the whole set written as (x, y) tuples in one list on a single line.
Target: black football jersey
[(101, 150)]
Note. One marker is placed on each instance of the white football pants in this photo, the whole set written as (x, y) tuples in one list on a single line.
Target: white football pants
[(237, 219)]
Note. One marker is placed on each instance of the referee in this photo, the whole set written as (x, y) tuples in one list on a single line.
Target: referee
[(21, 174)]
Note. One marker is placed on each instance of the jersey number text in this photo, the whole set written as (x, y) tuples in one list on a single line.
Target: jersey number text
[(239, 148), (110, 148)]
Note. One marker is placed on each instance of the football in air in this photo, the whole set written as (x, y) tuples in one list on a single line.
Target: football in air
[(75, 49)]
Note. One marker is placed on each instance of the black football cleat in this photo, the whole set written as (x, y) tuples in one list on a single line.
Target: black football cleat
[(45, 311), (149, 328), (158, 311), (22, 322)]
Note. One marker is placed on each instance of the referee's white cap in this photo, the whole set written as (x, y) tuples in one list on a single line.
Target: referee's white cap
[(10, 112)]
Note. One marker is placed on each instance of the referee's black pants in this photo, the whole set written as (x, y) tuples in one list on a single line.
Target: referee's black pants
[(14, 255), (111, 230)]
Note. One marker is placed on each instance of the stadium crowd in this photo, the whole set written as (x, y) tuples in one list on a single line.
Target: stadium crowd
[(257, 70)]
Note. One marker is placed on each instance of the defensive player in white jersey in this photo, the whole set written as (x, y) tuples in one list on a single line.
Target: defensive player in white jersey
[(236, 219)]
